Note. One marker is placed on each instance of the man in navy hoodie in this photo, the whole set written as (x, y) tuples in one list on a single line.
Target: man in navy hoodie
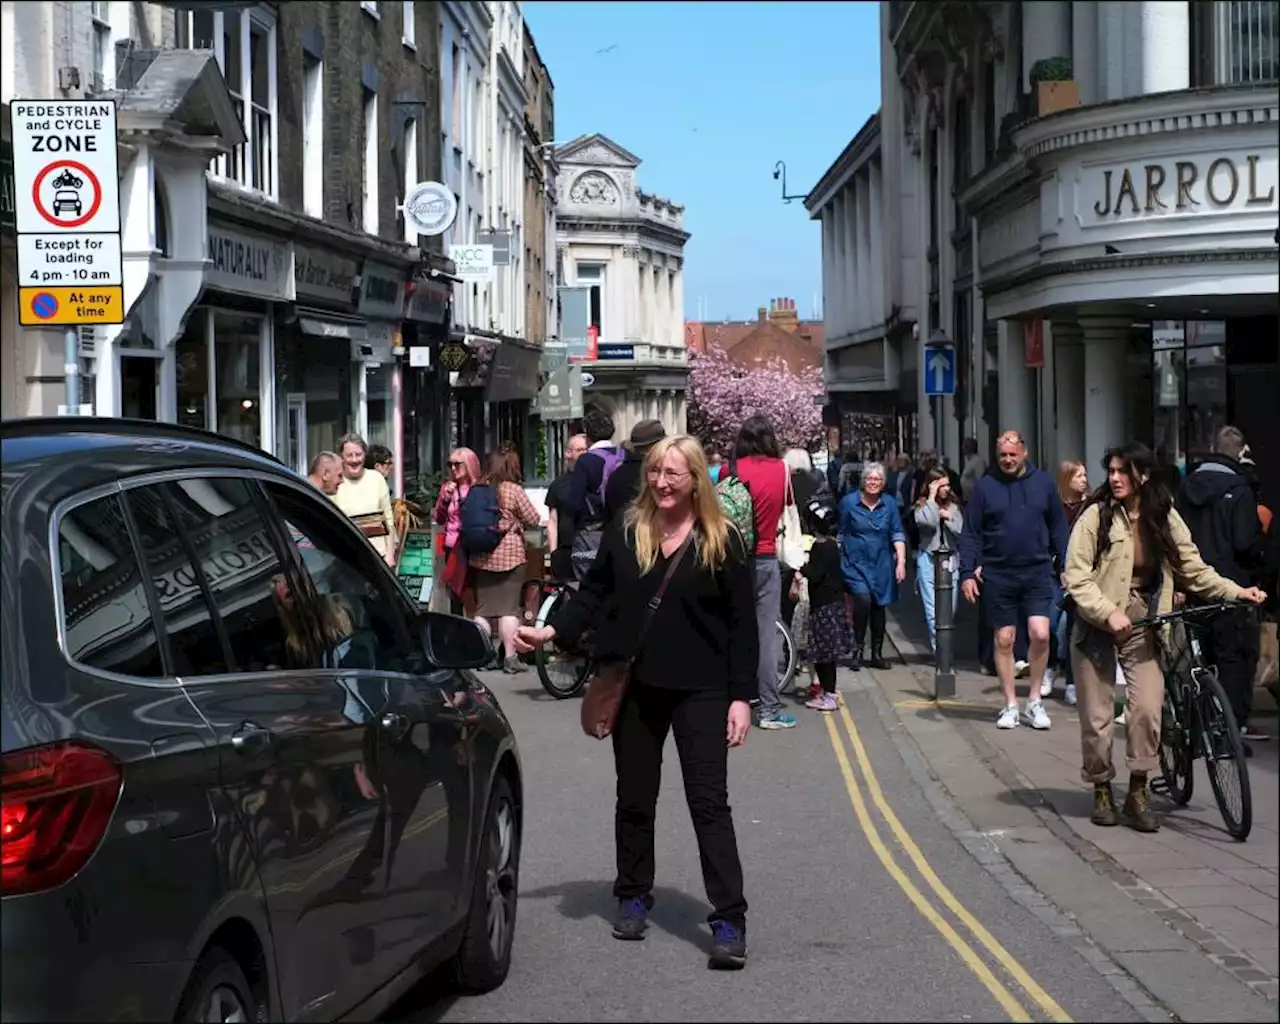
[(1014, 539)]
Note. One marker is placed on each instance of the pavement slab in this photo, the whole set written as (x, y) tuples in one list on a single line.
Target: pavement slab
[(1193, 878)]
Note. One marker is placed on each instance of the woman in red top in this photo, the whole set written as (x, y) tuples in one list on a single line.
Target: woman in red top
[(759, 465)]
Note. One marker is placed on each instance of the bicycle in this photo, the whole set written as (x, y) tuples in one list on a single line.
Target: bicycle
[(1198, 724), (563, 671)]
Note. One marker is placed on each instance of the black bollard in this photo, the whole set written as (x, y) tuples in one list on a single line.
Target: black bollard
[(944, 678)]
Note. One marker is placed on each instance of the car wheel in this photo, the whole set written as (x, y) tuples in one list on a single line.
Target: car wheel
[(484, 957), (219, 991)]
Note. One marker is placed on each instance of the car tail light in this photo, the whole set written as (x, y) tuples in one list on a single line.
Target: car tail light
[(56, 803)]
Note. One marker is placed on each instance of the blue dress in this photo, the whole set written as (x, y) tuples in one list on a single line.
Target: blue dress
[(867, 536)]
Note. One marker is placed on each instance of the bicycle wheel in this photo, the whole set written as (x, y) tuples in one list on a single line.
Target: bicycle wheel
[(561, 672), (1224, 757), (1177, 766), (786, 651)]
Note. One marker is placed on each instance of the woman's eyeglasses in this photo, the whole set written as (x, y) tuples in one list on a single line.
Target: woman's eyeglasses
[(456, 465), (667, 474)]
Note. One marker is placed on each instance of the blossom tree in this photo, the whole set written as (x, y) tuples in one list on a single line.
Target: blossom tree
[(722, 395)]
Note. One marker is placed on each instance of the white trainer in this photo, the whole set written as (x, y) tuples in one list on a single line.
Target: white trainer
[(1008, 718), (1021, 669), (1035, 715), (1070, 695), (1046, 684)]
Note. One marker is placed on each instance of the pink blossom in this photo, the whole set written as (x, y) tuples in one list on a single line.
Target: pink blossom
[(723, 395)]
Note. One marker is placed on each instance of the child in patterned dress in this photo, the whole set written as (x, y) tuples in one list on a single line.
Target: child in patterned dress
[(830, 632)]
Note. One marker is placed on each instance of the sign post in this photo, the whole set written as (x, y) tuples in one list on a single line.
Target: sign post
[(67, 213)]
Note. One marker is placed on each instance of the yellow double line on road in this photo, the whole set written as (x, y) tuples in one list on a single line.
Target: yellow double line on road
[(1007, 1000)]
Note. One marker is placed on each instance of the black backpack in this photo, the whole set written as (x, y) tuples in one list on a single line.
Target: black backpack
[(479, 520)]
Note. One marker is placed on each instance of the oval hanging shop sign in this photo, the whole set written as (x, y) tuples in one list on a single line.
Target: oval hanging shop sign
[(430, 208)]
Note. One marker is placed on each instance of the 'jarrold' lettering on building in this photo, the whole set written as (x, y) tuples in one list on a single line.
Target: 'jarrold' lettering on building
[(1186, 186)]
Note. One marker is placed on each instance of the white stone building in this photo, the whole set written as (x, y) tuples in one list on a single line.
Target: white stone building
[(1107, 270), (174, 116), (626, 248), (466, 39)]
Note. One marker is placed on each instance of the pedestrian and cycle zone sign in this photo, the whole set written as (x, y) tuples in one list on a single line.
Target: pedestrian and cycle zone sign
[(67, 198)]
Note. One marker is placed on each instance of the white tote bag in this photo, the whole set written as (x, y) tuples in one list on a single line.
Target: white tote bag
[(791, 547)]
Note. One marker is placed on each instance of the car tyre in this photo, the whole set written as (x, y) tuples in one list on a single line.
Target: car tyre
[(219, 991), (484, 957)]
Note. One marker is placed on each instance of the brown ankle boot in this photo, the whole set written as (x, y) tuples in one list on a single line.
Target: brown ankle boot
[(1104, 805), (1137, 812)]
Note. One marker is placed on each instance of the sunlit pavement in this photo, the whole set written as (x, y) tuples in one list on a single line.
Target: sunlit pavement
[(871, 897)]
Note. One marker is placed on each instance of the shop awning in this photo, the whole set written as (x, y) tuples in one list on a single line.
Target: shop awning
[(321, 323)]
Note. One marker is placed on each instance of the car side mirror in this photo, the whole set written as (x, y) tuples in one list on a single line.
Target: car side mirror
[(454, 642)]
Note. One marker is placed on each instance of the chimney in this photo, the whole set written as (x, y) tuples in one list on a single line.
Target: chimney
[(762, 314), (783, 313)]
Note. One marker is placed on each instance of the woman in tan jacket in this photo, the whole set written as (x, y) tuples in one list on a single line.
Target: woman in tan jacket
[(1127, 551)]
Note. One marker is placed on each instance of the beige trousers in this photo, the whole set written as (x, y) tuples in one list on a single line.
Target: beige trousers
[(1095, 676)]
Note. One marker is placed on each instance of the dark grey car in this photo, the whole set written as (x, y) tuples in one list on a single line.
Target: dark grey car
[(243, 775)]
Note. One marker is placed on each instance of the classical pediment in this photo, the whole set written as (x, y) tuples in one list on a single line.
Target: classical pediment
[(596, 150)]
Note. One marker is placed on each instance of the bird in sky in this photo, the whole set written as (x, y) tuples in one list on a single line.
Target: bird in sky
[(611, 46)]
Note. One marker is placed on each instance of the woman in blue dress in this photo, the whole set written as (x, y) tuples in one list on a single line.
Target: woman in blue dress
[(873, 558)]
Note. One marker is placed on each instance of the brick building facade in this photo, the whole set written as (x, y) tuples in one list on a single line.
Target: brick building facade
[(776, 333), (539, 199)]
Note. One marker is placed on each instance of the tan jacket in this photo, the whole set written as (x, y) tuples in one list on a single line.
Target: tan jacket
[(1098, 593)]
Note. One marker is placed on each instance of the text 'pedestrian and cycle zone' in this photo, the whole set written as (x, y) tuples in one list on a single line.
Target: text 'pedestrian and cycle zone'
[(67, 194)]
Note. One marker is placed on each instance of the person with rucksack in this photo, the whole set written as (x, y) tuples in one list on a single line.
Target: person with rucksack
[(581, 515), (491, 523), (758, 465), (464, 470)]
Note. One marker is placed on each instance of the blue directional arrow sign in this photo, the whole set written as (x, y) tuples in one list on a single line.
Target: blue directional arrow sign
[(940, 370)]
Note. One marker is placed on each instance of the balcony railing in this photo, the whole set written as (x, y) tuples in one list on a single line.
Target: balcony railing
[(1236, 42)]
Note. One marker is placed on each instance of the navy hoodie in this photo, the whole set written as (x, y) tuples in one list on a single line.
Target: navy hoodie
[(1013, 524)]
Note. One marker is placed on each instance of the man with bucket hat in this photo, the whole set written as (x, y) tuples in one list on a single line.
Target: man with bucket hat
[(624, 484)]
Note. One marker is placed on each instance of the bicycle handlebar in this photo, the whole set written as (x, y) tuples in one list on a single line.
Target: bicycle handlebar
[(1190, 611)]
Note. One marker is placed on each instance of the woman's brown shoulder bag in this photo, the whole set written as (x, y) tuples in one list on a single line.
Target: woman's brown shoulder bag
[(603, 701)]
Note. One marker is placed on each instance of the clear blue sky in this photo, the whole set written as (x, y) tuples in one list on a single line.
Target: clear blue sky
[(710, 95)]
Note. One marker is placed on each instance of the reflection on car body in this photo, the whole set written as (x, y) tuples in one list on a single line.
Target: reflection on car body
[(222, 654)]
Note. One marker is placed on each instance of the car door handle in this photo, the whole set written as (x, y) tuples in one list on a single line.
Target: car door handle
[(395, 723), (250, 739)]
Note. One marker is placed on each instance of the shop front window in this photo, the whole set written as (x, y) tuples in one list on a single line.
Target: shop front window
[(313, 395), (1206, 385), (237, 343), (1168, 385), (378, 398), (192, 371)]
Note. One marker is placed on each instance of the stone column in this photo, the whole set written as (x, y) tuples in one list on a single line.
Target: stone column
[(852, 267), (1017, 384), (1106, 340), (1158, 47), (676, 339), (1084, 49), (862, 230), (879, 246), (1068, 370), (1046, 32)]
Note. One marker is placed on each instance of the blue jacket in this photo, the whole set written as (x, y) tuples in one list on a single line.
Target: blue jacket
[(1013, 524), (867, 537)]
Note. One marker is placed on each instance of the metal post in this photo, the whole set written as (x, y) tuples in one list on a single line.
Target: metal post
[(71, 367), (944, 679)]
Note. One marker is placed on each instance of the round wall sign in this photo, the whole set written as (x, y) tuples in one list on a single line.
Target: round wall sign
[(430, 208)]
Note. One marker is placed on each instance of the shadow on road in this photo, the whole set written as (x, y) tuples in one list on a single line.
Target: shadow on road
[(675, 912)]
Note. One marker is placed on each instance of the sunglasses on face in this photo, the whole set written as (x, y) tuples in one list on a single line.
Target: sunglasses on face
[(456, 465)]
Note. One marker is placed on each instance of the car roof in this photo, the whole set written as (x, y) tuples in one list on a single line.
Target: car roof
[(66, 455)]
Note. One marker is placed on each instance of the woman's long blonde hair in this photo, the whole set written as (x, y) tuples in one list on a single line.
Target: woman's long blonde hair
[(711, 528)]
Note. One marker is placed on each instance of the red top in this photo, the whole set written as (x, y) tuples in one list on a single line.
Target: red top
[(766, 478)]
